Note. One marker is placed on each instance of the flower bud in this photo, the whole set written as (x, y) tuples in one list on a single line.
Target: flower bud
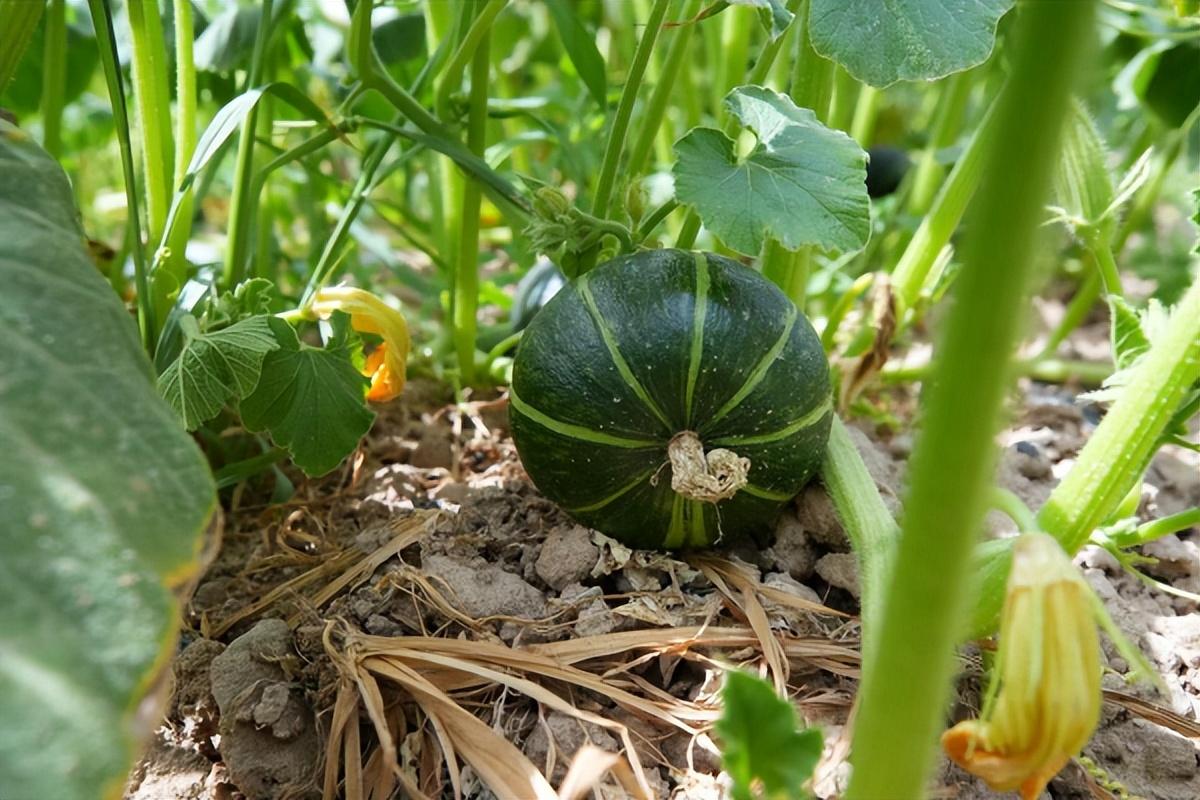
[(1044, 702)]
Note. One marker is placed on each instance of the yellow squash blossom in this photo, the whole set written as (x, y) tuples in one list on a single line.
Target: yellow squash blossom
[(1047, 678), (385, 365)]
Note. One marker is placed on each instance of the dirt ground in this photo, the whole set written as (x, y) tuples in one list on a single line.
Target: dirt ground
[(425, 604)]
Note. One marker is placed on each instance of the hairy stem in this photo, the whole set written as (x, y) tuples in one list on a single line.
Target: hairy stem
[(620, 124), (54, 77), (868, 523), (907, 679), (467, 281), (1117, 454), (652, 117), (948, 208), (152, 102), (241, 213), (107, 43)]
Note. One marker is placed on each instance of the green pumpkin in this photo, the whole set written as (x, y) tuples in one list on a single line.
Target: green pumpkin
[(670, 399)]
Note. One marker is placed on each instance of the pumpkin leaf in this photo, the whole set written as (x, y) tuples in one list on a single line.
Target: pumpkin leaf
[(581, 49), (803, 184), (214, 368), (905, 40), (760, 741), (103, 498), (310, 399)]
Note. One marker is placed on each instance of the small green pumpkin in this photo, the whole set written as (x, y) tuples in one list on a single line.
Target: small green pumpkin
[(671, 398)]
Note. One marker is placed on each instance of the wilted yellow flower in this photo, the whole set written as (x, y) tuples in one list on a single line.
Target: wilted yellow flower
[(1047, 676), (385, 365)]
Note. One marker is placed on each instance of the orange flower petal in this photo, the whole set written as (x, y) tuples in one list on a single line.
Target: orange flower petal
[(384, 385)]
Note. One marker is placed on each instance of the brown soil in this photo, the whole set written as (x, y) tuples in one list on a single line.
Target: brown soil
[(426, 605)]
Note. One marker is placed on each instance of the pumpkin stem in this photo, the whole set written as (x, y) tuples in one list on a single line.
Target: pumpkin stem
[(708, 477)]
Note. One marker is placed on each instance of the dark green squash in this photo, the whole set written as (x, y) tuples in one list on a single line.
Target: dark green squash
[(627, 358)]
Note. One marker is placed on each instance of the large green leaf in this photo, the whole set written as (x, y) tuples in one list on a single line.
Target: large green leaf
[(102, 500), (311, 401), (761, 742), (804, 184), (884, 41)]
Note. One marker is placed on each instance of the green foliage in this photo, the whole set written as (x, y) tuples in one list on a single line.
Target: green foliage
[(762, 748), (1082, 184), (228, 40), (103, 498), (581, 49), (215, 368), (24, 94), (773, 14), (310, 399), (803, 184), (1165, 77), (905, 40)]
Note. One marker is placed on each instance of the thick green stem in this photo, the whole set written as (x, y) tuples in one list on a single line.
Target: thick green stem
[(689, 231), (1101, 251), (935, 230), (845, 99), (451, 79), (788, 270), (652, 117), (152, 101), (812, 75), (54, 77), (770, 52), (737, 26), (1164, 526), (868, 523), (261, 263), (907, 680), (1119, 451), (466, 288), (241, 213), (947, 124), (185, 135), (107, 44), (653, 220), (620, 125), (866, 111)]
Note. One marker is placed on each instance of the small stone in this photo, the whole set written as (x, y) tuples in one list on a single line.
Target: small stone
[(567, 557), (840, 570), (816, 514), (484, 590), (792, 551)]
